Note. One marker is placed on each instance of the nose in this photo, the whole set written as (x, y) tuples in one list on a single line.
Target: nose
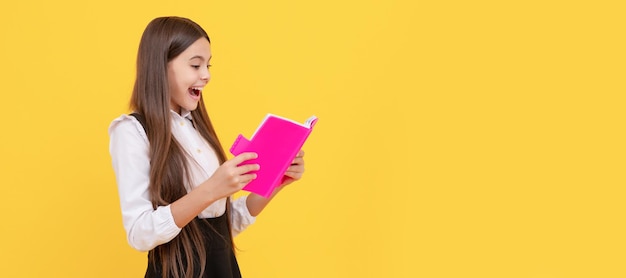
[(205, 75)]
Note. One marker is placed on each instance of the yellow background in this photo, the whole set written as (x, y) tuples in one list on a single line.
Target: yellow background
[(456, 138)]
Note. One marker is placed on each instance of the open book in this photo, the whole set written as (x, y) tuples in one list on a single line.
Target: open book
[(277, 141)]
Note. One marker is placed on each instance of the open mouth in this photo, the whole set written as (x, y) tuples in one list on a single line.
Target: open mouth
[(195, 91)]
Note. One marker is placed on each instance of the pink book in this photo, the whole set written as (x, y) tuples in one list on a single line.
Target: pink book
[(277, 141)]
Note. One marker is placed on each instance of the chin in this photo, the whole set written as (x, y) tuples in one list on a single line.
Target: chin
[(192, 107)]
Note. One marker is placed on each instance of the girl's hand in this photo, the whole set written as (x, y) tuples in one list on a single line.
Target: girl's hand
[(256, 203), (295, 171), (231, 177)]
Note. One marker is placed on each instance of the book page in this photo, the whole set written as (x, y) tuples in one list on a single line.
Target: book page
[(306, 124)]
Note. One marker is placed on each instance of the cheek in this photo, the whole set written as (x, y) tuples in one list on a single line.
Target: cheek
[(171, 79)]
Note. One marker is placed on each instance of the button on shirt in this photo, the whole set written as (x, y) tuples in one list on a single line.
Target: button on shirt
[(146, 227)]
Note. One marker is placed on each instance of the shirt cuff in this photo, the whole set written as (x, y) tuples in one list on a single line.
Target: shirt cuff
[(161, 229)]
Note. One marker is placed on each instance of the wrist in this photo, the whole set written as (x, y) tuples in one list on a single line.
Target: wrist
[(205, 190), (278, 189)]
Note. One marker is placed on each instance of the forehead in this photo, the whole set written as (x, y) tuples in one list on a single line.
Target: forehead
[(201, 49)]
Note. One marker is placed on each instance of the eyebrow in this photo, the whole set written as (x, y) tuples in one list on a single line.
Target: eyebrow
[(199, 57)]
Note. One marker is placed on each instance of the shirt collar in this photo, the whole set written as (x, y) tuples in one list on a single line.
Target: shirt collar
[(183, 114)]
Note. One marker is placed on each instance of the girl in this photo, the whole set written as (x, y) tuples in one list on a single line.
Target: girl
[(173, 177)]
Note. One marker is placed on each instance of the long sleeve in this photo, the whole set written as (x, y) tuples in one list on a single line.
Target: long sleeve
[(240, 216), (145, 227)]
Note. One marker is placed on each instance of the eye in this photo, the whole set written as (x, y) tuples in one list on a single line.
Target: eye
[(209, 66), (195, 66)]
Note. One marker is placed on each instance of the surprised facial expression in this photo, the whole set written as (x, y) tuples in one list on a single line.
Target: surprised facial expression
[(187, 75)]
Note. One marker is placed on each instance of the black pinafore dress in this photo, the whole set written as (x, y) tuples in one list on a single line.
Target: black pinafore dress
[(220, 258)]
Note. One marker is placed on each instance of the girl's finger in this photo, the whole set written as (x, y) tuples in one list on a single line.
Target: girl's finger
[(294, 175), (243, 157), (248, 168), (245, 179), (296, 169), (298, 161)]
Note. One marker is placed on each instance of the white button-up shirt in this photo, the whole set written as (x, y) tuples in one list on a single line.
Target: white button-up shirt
[(146, 227)]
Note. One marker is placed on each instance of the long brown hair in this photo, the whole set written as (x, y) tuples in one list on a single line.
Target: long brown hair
[(163, 40)]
